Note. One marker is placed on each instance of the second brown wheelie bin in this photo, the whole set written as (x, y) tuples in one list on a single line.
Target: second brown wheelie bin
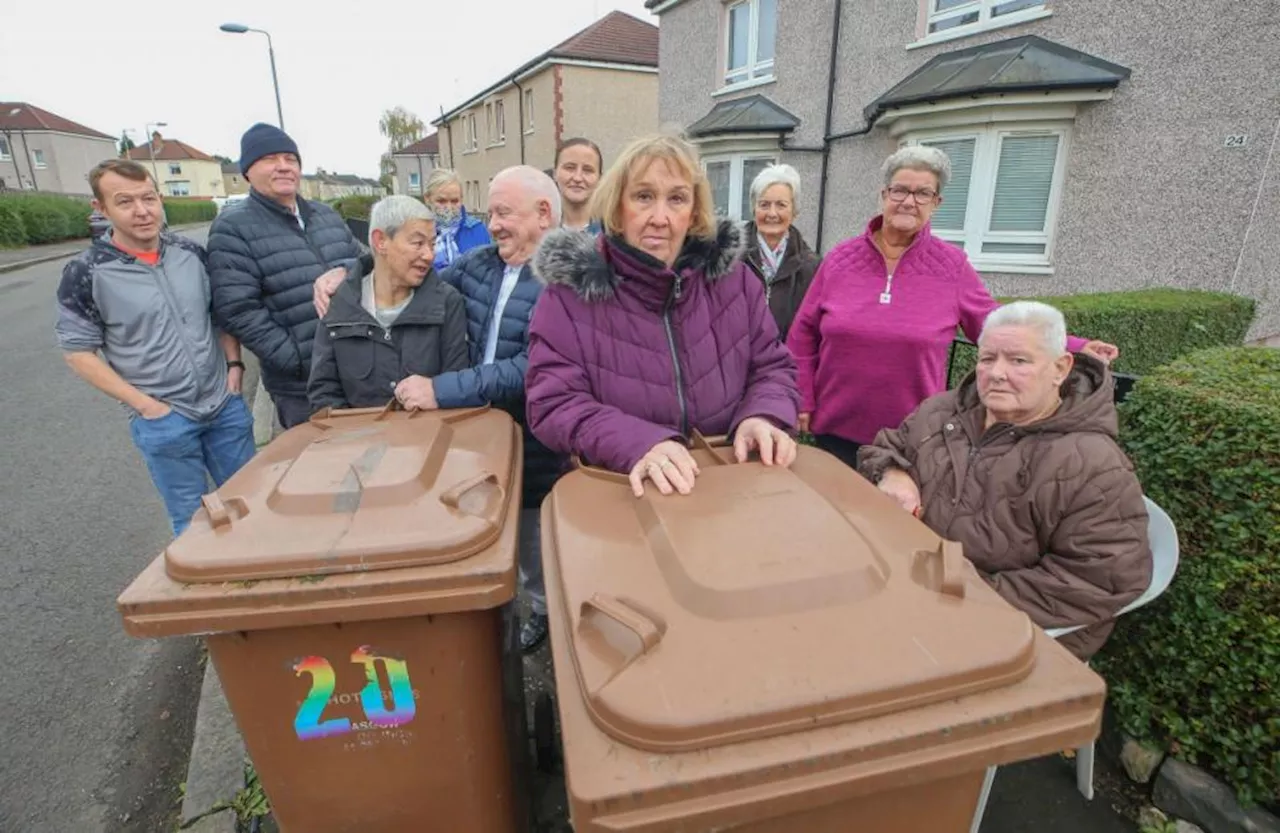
[(354, 581), (785, 651)]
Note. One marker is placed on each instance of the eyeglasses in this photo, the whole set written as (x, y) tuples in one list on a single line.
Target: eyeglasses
[(923, 196)]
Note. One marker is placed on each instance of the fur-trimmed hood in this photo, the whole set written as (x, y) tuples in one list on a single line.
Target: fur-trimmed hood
[(579, 259)]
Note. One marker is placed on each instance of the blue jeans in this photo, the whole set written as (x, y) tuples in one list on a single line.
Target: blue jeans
[(182, 454)]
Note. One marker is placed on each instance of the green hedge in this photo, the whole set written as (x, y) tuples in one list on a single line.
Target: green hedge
[(44, 218), (1152, 327), (1199, 669), (355, 207), (183, 211), (12, 231)]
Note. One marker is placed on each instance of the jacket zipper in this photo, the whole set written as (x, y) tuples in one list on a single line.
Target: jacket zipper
[(162, 281), (970, 458), (675, 357), (886, 297)]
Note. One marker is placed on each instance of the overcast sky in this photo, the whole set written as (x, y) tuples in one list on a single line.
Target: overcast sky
[(111, 66)]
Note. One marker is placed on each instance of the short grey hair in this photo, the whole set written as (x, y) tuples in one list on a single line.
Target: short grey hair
[(1047, 322), (536, 183), (439, 178), (390, 214), (918, 158), (777, 175)]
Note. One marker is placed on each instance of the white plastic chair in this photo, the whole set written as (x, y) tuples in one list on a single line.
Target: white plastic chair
[(1163, 538)]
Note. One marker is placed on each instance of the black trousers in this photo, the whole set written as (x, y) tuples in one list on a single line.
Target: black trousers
[(846, 451)]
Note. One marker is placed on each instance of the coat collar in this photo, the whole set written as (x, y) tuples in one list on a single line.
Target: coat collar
[(595, 267), (304, 207), (797, 252)]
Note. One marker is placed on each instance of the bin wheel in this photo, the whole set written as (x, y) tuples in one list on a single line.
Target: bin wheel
[(544, 733)]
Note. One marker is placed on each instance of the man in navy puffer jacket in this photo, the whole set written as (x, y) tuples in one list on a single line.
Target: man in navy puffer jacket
[(265, 254)]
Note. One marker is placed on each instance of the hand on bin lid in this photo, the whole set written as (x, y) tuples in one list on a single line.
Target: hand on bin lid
[(787, 599)]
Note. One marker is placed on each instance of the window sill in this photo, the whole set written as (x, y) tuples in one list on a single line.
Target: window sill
[(1004, 21), (529, 132), (1007, 268), (744, 85), (470, 152), (501, 144)]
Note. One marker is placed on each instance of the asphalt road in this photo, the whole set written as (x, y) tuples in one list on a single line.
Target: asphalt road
[(96, 725)]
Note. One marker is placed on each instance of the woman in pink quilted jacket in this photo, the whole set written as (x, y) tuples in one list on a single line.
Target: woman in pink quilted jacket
[(655, 329), (871, 338)]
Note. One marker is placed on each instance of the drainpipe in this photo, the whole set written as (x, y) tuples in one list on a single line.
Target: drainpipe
[(520, 112), (826, 128), (31, 164), (453, 163)]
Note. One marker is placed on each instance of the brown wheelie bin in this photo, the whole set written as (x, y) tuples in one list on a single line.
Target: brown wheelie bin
[(354, 582), (785, 651)]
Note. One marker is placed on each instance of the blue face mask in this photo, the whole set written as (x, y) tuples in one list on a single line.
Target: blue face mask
[(447, 216)]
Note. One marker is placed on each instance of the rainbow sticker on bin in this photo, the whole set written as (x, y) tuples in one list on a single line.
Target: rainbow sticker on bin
[(309, 723), (402, 705)]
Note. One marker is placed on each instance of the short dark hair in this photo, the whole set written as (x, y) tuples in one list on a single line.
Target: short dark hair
[(126, 168), (579, 141)]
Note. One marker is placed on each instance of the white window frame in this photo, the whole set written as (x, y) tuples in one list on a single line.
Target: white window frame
[(500, 120), (415, 183), (984, 23), (37, 159), (470, 139), (528, 111), (6, 153), (175, 169), (179, 188), (755, 72), (982, 184), (738, 187)]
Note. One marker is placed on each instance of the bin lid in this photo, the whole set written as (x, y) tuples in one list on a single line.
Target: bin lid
[(353, 491), (767, 601)]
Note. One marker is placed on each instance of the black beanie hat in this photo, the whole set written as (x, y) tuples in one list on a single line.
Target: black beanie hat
[(263, 140)]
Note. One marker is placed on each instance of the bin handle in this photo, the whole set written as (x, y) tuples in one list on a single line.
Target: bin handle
[(223, 513), (326, 417), (649, 632), (952, 564), (452, 497), (218, 514)]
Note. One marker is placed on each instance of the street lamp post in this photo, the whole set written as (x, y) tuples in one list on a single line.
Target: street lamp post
[(151, 149), (240, 29)]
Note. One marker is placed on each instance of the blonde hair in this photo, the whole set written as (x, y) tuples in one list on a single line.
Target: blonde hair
[(606, 203), (437, 179)]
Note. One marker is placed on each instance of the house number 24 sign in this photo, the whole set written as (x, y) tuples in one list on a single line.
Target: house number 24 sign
[(309, 724)]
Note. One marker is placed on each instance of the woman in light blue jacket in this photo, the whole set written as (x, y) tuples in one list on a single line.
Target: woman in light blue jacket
[(456, 231)]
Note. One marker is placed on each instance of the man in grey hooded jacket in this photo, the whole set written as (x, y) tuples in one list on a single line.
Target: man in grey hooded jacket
[(134, 321)]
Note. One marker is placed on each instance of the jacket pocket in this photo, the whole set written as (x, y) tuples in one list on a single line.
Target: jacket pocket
[(420, 351), (353, 350)]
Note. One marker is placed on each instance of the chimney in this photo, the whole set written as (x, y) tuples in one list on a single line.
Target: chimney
[(157, 141)]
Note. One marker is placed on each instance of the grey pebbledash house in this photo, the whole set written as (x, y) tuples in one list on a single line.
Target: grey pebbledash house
[(1096, 145)]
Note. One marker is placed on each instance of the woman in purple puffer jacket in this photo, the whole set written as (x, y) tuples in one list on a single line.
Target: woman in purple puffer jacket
[(655, 330)]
